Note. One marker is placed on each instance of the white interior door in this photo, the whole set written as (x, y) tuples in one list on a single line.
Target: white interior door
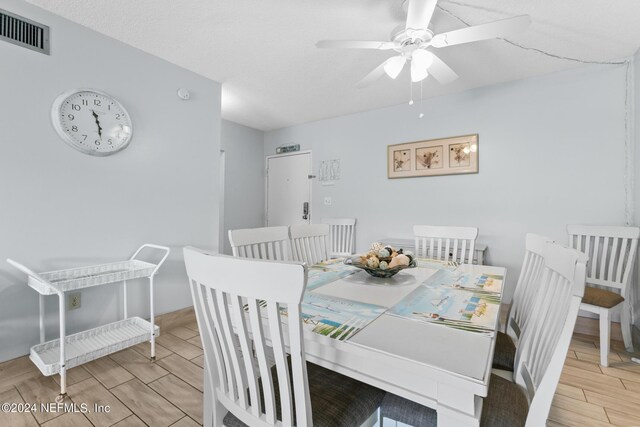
[(289, 189)]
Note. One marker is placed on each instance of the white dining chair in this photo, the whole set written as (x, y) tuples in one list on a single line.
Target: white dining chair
[(612, 254), (521, 303), (445, 243), (540, 356), (261, 243), (228, 293), (309, 242), (342, 236)]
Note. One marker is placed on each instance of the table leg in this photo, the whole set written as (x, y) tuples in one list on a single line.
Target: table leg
[(458, 407)]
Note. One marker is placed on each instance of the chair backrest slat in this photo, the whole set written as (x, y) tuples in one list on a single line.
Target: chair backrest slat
[(603, 258), (445, 243), (613, 258), (544, 343), (611, 251), (309, 242), (238, 316), (261, 356), (229, 293), (526, 287), (342, 236), (299, 371), (261, 243), (280, 356), (204, 310), (222, 305)]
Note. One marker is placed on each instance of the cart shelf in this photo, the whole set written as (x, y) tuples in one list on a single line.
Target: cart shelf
[(91, 344), (95, 275), (57, 356)]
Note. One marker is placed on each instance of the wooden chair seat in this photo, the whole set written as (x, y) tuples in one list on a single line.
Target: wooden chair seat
[(504, 355), (506, 405), (336, 400), (601, 297)]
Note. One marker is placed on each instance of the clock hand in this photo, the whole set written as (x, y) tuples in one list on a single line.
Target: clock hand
[(98, 123)]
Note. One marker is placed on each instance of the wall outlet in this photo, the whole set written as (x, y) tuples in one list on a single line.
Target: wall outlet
[(328, 201), (73, 301)]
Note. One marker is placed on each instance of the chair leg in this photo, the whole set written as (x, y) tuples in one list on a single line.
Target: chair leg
[(625, 325), (605, 329)]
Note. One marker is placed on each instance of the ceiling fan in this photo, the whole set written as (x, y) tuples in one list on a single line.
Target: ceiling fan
[(413, 40)]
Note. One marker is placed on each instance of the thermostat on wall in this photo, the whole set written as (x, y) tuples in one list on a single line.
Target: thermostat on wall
[(288, 149)]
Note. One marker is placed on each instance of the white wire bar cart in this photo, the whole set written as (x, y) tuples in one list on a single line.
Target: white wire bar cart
[(59, 355)]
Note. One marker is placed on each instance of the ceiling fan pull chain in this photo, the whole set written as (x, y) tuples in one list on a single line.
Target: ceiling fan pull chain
[(421, 109), (410, 92)]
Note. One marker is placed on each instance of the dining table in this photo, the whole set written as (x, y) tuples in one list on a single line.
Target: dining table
[(426, 334)]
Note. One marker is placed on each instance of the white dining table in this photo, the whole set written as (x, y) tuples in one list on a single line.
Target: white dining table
[(437, 366)]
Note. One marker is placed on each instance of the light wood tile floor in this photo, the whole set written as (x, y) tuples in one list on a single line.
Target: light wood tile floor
[(169, 392)]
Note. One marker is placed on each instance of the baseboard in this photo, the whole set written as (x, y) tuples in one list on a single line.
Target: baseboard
[(591, 326), (173, 319)]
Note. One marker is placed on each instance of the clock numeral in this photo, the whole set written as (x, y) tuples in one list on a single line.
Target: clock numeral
[(74, 128), (118, 116), (75, 107), (110, 141), (85, 102), (109, 107), (84, 138), (97, 142), (71, 116), (97, 102)]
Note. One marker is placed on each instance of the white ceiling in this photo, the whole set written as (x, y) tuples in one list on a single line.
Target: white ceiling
[(272, 75)]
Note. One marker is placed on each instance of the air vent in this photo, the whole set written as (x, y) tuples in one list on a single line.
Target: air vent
[(24, 32)]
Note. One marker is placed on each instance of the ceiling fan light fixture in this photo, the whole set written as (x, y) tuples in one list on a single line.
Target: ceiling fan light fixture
[(394, 65), (418, 73), (423, 58)]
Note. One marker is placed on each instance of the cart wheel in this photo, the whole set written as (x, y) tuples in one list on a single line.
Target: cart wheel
[(60, 398), (153, 359)]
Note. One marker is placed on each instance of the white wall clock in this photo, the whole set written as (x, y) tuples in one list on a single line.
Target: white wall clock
[(91, 122)]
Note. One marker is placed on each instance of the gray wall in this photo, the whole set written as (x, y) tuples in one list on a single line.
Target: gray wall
[(551, 152), (61, 209), (244, 178)]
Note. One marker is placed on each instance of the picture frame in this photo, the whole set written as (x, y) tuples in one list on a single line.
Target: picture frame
[(434, 157)]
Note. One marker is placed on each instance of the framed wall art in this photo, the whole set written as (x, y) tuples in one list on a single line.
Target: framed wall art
[(445, 156)]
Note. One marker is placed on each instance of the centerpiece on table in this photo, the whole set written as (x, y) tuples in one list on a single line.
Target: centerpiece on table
[(383, 261)]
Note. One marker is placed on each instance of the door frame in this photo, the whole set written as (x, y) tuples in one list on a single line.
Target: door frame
[(266, 182)]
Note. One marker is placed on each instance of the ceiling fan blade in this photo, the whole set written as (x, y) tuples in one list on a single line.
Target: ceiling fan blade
[(419, 13), (394, 65), (491, 30), (377, 72), (441, 71), (373, 75), (353, 44)]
